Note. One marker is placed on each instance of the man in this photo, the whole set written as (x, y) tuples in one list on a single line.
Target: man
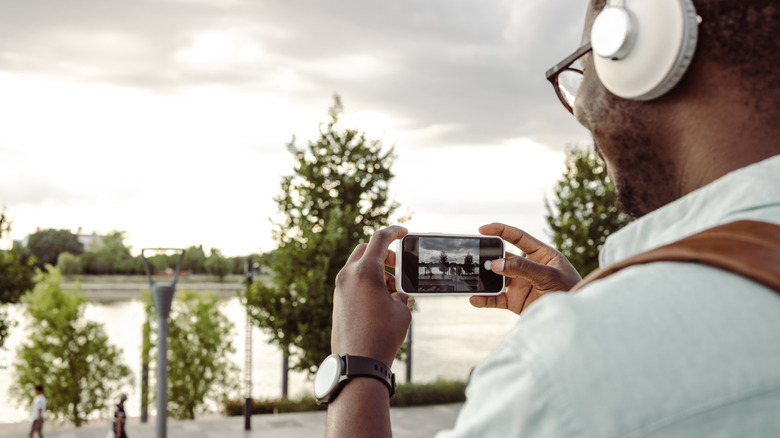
[(663, 349), (38, 411), (120, 418)]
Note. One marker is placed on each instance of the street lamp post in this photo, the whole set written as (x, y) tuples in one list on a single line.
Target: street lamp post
[(252, 268), (162, 296)]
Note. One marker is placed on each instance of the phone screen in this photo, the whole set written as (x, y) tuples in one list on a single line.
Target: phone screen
[(454, 264)]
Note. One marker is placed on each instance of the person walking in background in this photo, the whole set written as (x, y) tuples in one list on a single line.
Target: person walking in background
[(38, 411), (120, 418)]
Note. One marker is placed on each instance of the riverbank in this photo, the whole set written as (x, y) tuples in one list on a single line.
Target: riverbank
[(108, 288)]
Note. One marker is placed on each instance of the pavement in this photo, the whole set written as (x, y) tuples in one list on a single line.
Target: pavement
[(411, 422)]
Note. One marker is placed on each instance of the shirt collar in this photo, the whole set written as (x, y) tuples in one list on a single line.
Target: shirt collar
[(724, 200)]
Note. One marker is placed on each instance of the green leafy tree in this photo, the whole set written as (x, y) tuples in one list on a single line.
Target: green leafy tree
[(266, 258), (115, 253), (17, 273), (218, 265), (110, 256), (69, 264), (200, 373), (47, 245), (585, 210), (70, 356), (239, 264), (336, 198), (194, 260), (165, 262)]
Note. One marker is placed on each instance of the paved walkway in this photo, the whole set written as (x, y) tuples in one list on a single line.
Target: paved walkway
[(414, 422)]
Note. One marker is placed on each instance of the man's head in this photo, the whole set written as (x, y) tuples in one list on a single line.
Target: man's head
[(646, 143), (39, 389), (122, 398)]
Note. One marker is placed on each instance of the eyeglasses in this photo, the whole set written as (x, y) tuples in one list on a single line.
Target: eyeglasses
[(567, 80)]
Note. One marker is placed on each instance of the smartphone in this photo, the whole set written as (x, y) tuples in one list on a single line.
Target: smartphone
[(448, 264)]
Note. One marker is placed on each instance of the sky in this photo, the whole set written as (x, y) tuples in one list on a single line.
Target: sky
[(170, 119), (456, 249)]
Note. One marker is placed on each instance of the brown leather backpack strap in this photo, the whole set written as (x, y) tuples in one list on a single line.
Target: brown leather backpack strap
[(747, 248)]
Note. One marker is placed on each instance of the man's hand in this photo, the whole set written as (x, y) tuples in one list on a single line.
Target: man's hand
[(370, 318), (544, 270)]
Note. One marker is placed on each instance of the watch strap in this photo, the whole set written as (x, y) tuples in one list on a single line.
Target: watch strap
[(361, 366)]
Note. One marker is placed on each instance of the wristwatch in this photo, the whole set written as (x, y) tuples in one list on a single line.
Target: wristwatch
[(336, 370)]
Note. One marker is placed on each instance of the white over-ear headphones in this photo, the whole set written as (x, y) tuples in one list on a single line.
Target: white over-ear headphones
[(642, 48)]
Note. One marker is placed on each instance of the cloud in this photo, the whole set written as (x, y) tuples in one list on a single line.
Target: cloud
[(112, 102), (472, 65)]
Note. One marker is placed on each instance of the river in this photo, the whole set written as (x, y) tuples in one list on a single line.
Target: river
[(449, 338)]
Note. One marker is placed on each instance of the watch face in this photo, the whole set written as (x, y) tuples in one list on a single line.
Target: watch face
[(327, 376)]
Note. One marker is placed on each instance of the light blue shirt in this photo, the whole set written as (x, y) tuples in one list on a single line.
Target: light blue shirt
[(666, 349)]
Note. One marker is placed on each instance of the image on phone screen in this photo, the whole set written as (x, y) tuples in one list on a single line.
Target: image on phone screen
[(450, 264)]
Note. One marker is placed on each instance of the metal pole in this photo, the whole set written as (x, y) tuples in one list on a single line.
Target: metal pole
[(409, 354), (145, 341), (248, 352), (145, 393), (162, 377), (285, 373)]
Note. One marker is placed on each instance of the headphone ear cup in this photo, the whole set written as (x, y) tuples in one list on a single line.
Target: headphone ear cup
[(663, 44)]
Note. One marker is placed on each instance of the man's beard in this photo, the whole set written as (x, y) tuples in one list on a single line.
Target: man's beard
[(643, 178)]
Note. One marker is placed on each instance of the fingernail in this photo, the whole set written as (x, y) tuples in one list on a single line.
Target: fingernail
[(498, 265), (410, 302)]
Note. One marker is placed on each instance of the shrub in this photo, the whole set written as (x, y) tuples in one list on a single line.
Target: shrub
[(407, 394), (69, 264), (233, 407), (438, 392)]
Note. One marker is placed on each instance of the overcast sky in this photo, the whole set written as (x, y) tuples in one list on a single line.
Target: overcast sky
[(169, 119)]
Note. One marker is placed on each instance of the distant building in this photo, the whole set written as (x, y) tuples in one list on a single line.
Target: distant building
[(92, 241)]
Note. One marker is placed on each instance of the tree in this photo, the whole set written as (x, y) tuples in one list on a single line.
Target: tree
[(585, 210), (444, 263), (199, 368), (111, 256), (217, 265), (17, 272), (468, 264), (194, 260), (47, 245), (336, 198), (70, 356), (69, 264)]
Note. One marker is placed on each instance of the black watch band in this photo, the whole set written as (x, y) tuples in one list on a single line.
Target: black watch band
[(360, 366), (353, 366)]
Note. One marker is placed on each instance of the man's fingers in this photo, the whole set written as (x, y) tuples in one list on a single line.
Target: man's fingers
[(390, 258), (357, 253), (377, 246), (519, 267), (517, 237), (538, 275), (491, 302), (407, 299), (390, 281)]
